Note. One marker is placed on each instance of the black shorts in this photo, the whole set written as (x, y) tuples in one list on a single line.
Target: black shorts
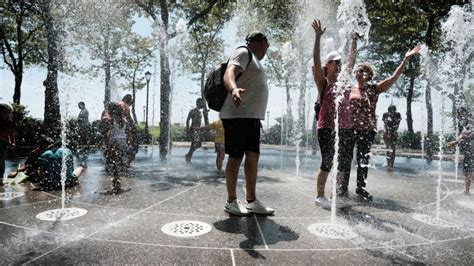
[(241, 135), (326, 137)]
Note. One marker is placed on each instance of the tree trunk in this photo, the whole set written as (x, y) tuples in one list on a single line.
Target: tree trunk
[(409, 102), (164, 100), (205, 111), (302, 105), (18, 81), (134, 93), (429, 106), (429, 130), (52, 116), (107, 70)]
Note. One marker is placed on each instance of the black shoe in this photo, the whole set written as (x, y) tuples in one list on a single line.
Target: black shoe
[(363, 194)]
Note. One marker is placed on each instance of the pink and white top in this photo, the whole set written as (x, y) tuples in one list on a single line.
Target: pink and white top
[(327, 113), (363, 104)]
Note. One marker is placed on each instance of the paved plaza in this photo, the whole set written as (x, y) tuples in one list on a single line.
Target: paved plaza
[(129, 228)]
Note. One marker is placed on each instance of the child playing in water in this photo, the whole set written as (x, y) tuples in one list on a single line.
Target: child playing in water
[(116, 145)]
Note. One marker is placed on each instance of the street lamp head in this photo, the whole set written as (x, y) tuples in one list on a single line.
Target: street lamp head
[(148, 76)]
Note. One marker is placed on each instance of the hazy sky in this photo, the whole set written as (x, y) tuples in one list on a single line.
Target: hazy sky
[(91, 90)]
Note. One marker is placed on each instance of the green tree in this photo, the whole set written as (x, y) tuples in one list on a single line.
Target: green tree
[(162, 14), (21, 40), (204, 48), (103, 27), (52, 116), (393, 32), (135, 59)]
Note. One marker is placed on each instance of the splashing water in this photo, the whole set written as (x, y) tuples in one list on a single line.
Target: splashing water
[(457, 37), (351, 14)]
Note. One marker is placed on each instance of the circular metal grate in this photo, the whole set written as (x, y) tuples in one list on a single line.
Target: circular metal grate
[(186, 228), (334, 231), (10, 195), (432, 220), (61, 214)]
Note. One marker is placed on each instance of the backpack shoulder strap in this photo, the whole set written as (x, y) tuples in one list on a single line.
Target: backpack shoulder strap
[(248, 51)]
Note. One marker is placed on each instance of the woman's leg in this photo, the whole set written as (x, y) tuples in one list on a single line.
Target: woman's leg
[(326, 143)]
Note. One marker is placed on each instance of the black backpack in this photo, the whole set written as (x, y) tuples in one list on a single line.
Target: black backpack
[(214, 89)]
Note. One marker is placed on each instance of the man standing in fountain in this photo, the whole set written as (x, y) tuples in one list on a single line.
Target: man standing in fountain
[(465, 140), (83, 127), (391, 120), (243, 109), (194, 130)]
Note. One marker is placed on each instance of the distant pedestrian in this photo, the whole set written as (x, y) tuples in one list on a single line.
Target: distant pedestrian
[(7, 135), (193, 129), (84, 128), (391, 120)]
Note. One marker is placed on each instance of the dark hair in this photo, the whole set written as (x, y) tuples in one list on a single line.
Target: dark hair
[(81, 103), (114, 109), (392, 107), (127, 98), (5, 108), (367, 68), (255, 36)]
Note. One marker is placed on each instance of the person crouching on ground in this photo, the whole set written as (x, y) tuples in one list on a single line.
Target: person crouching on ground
[(51, 165)]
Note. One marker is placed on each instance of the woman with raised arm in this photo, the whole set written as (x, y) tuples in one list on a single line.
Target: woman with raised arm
[(325, 77), (363, 101)]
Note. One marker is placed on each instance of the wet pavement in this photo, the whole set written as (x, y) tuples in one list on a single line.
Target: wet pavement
[(128, 228)]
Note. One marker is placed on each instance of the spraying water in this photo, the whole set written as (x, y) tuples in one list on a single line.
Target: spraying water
[(440, 155)]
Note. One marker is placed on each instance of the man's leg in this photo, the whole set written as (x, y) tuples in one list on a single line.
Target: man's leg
[(467, 182), (231, 173), (250, 170)]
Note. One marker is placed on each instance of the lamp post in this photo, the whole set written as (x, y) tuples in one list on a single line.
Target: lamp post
[(148, 77), (144, 111)]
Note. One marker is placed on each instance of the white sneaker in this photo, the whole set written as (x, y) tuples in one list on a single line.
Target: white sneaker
[(235, 207), (322, 202), (257, 207)]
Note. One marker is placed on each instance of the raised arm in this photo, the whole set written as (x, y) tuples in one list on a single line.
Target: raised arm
[(352, 52), (385, 84), (318, 71)]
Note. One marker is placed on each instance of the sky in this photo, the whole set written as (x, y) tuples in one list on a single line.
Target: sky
[(91, 90)]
